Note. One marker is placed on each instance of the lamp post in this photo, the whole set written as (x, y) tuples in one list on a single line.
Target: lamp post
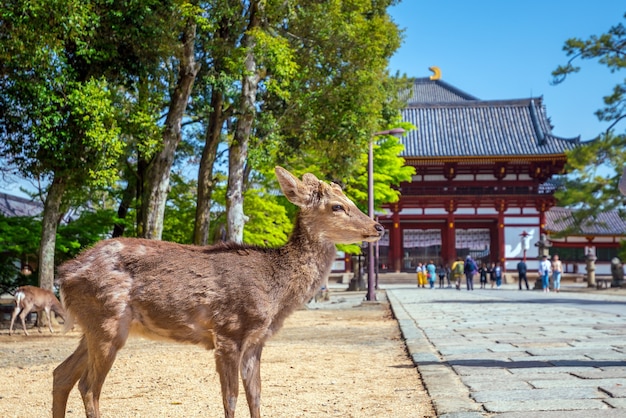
[(371, 293), (525, 243)]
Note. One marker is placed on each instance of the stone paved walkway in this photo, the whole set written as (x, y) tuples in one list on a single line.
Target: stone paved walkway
[(509, 353)]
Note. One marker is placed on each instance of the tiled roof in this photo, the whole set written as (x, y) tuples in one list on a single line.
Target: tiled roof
[(426, 90), (471, 127), (608, 223), (18, 206)]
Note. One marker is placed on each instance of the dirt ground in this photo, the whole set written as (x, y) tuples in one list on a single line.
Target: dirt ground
[(340, 358)]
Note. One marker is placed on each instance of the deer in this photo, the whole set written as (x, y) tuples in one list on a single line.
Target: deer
[(35, 299), (229, 298)]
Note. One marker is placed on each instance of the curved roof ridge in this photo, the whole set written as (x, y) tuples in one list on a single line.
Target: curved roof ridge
[(541, 134), (575, 139), (477, 103)]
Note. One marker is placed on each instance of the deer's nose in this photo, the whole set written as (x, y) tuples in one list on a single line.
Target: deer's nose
[(380, 229)]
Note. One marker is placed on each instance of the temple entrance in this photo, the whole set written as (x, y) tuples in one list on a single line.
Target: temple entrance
[(420, 246), (475, 242)]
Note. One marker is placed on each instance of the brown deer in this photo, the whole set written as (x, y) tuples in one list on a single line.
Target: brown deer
[(228, 297), (35, 299)]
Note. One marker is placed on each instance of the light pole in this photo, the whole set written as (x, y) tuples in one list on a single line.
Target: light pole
[(371, 293), (525, 243)]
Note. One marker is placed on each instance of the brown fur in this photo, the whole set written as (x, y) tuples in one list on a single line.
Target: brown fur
[(230, 298), (35, 299)]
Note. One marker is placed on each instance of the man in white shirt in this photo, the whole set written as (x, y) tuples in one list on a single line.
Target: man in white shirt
[(545, 268)]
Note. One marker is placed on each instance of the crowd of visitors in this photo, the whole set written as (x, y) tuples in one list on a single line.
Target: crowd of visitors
[(468, 269)]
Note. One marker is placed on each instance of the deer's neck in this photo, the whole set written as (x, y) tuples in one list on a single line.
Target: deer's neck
[(310, 259)]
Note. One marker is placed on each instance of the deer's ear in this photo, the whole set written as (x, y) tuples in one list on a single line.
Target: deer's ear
[(295, 191)]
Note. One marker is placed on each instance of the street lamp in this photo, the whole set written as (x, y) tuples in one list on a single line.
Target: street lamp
[(525, 243), (371, 293)]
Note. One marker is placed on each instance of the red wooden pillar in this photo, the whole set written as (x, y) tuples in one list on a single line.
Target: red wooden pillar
[(395, 240), (501, 207), (449, 240)]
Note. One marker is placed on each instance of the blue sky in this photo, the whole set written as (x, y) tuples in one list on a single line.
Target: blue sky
[(507, 49)]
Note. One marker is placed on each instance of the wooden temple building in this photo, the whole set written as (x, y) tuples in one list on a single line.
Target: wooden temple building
[(483, 171)]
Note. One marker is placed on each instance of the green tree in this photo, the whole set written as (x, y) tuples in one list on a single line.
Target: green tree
[(19, 240), (389, 171), (180, 210), (586, 187), (59, 89), (316, 71)]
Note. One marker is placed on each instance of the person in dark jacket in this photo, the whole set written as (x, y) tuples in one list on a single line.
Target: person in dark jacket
[(470, 270), (521, 272), (483, 270)]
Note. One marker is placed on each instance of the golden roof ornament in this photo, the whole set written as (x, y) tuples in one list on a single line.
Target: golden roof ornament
[(436, 73)]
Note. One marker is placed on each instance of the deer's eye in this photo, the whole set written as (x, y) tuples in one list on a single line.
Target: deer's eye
[(337, 208)]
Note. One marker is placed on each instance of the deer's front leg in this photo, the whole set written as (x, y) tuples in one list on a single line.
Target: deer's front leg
[(227, 358), (251, 376)]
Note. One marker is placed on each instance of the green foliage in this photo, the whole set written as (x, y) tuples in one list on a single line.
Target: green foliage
[(19, 235), (78, 234), (389, 171), (587, 187), (180, 210), (19, 240), (82, 99), (340, 92), (268, 224)]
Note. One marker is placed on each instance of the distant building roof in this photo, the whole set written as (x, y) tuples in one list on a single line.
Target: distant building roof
[(426, 90), (608, 223), (18, 206), (452, 123)]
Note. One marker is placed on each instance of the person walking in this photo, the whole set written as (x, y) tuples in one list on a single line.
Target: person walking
[(421, 275), (521, 273), (457, 272), (482, 271), (497, 272), (470, 270), (557, 272), (442, 273), (544, 273), (431, 273), (492, 274)]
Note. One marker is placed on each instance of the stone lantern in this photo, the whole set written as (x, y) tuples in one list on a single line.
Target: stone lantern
[(591, 268), (617, 271)]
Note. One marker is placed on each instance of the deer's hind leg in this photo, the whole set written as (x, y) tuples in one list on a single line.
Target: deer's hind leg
[(16, 311), (102, 348), (49, 315), (65, 377), (251, 377), (23, 315), (227, 359)]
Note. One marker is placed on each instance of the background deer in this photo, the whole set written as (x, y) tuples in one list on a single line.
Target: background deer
[(35, 299), (230, 298)]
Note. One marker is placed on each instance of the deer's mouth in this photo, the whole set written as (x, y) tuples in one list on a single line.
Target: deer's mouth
[(374, 237)]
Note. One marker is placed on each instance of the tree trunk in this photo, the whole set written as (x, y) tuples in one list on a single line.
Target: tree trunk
[(205, 172), (49, 224), (158, 176), (238, 151), (122, 210)]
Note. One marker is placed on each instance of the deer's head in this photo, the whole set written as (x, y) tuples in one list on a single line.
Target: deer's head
[(326, 211)]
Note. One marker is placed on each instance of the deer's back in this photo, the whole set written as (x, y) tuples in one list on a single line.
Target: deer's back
[(172, 290)]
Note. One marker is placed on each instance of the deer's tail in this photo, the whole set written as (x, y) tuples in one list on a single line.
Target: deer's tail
[(19, 297), (68, 319)]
